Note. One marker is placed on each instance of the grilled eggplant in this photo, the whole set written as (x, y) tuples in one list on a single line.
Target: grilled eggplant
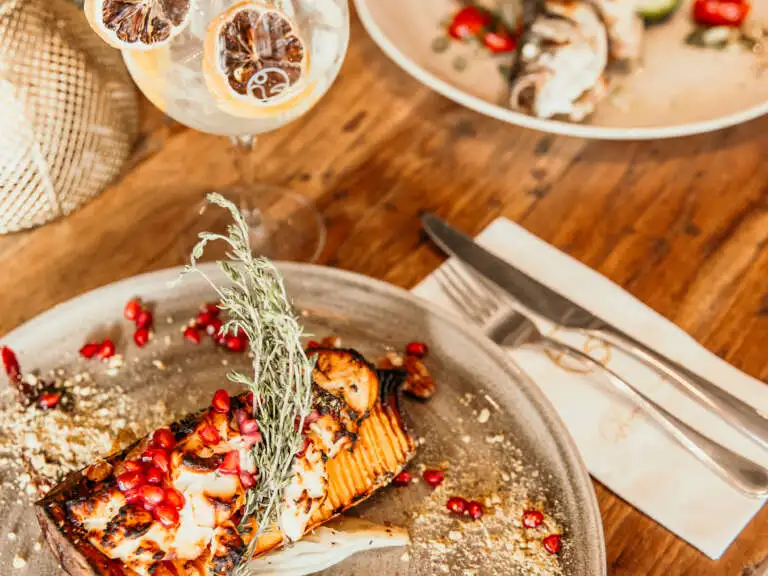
[(356, 443)]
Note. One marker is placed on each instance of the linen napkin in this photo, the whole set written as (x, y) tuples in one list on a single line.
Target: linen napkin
[(622, 447)]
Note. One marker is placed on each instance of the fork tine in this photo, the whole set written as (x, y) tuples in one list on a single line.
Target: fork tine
[(468, 308), (469, 283)]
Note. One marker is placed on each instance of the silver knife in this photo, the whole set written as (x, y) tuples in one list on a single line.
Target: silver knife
[(570, 316)]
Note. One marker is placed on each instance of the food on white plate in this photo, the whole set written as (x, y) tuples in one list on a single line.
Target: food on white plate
[(313, 434), (624, 26), (657, 11), (561, 62)]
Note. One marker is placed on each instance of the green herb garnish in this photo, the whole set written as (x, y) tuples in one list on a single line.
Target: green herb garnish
[(257, 303)]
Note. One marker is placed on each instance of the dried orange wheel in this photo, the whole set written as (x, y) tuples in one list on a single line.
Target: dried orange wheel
[(255, 63), (138, 24)]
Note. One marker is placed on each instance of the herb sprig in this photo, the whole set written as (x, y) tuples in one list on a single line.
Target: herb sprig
[(257, 303)]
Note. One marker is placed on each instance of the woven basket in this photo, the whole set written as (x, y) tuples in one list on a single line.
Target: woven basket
[(68, 112)]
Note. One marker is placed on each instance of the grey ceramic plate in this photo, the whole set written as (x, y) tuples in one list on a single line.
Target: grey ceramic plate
[(537, 455)]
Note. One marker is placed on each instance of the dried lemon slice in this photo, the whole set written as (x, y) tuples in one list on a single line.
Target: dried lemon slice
[(138, 24), (255, 63)]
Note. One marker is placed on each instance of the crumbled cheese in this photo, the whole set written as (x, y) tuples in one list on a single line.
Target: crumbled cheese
[(495, 439), (167, 340), (159, 364), (466, 439), (454, 535), (11, 536), (37, 547), (483, 416), (405, 557), (19, 562), (169, 319)]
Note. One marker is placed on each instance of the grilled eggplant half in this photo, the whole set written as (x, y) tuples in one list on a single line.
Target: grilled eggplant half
[(98, 523)]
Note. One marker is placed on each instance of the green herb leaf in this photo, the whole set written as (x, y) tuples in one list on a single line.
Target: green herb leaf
[(257, 304)]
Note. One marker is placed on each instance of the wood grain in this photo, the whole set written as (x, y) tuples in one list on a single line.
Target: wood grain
[(681, 224)]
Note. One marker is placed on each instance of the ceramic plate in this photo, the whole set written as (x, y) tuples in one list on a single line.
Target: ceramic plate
[(678, 89), (522, 446)]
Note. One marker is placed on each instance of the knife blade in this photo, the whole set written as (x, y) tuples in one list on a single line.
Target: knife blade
[(567, 315), (530, 293)]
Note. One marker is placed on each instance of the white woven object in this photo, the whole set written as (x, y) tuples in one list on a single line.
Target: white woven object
[(68, 112)]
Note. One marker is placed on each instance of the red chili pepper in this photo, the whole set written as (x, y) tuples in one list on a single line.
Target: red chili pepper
[(500, 41), (468, 22), (720, 12)]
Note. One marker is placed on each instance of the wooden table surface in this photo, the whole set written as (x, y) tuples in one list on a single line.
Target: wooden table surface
[(681, 224)]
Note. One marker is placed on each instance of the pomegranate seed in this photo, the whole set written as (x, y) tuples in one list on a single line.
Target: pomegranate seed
[(247, 479), (129, 481), (144, 319), (434, 477), (304, 448), (90, 349), (210, 435), (312, 344), (235, 343), (417, 349), (403, 479), (151, 495), (213, 328), (141, 337), (132, 466), (132, 496), (155, 475), (249, 400), (50, 399), (249, 426), (167, 515), (107, 349), (231, 463), (457, 505), (174, 498), (532, 518), (162, 461), (163, 438), (212, 308), (192, 334), (221, 402), (132, 309), (475, 509), (204, 319), (251, 439), (552, 543), (10, 364)]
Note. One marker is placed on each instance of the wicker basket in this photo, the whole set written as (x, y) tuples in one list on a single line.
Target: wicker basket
[(68, 112)]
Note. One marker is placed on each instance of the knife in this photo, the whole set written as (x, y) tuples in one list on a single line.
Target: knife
[(568, 316)]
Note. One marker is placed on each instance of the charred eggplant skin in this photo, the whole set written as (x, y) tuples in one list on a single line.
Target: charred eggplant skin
[(78, 557)]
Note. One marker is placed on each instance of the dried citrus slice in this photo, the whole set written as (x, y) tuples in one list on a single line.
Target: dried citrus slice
[(138, 24), (255, 63)]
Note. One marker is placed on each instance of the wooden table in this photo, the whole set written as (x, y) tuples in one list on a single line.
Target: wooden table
[(681, 224)]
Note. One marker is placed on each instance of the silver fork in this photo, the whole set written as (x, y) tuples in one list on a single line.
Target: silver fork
[(484, 305)]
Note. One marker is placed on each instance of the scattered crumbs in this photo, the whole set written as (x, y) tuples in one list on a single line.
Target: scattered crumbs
[(444, 568), (159, 364), (484, 416), (492, 402), (39, 447), (38, 546), (116, 361), (169, 319), (405, 557), (112, 371), (495, 439), (505, 477), (11, 536), (466, 439), (460, 420), (454, 535), (167, 340), (19, 562), (178, 370), (224, 362)]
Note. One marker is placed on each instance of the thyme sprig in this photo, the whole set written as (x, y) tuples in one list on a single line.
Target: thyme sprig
[(257, 304)]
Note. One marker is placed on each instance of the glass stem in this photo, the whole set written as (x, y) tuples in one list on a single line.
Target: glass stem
[(244, 160)]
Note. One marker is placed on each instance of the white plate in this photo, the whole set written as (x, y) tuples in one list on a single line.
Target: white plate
[(369, 315), (680, 90)]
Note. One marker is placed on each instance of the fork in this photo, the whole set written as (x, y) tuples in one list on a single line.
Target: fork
[(482, 304)]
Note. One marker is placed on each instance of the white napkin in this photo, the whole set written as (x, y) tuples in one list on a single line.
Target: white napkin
[(621, 447)]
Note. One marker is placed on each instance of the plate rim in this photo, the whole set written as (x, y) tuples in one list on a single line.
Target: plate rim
[(568, 450), (543, 125)]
